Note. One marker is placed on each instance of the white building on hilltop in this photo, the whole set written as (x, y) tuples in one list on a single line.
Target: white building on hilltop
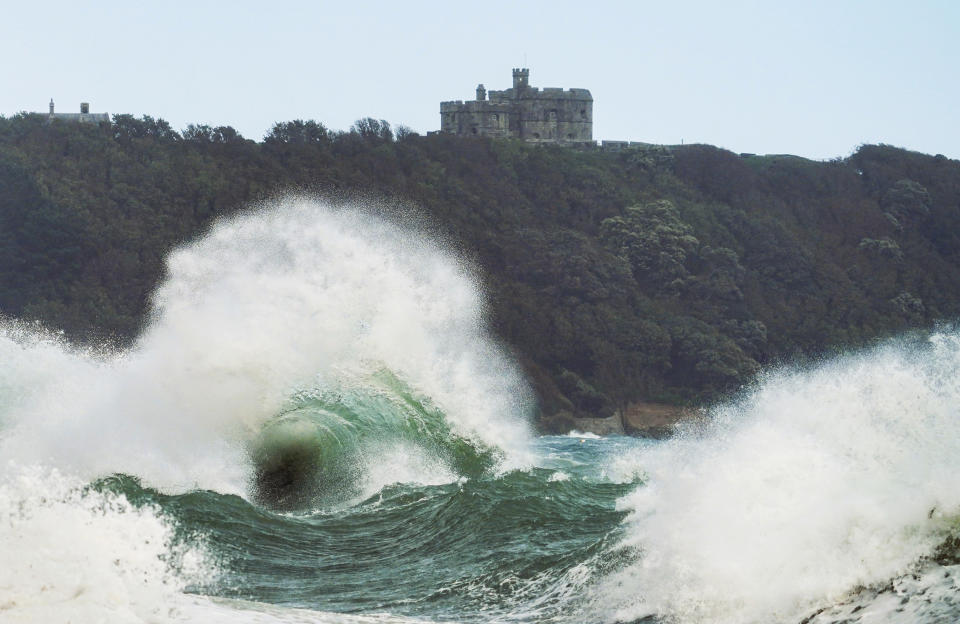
[(84, 116)]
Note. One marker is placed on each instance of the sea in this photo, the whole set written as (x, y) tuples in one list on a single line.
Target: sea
[(316, 424)]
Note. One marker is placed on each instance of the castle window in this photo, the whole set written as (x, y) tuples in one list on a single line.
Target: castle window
[(583, 112), (473, 130), (552, 115), (569, 136), (536, 135), (495, 117)]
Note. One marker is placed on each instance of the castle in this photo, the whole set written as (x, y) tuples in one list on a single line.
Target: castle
[(524, 112), (84, 116)]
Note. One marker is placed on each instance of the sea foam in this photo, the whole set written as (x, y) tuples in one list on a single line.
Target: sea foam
[(292, 296), (72, 554), (817, 482)]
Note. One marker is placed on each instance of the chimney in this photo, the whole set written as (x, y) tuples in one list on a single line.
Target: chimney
[(85, 108)]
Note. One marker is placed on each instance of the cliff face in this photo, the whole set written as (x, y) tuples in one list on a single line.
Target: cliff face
[(652, 276)]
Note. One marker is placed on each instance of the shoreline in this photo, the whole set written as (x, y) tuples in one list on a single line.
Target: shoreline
[(640, 419)]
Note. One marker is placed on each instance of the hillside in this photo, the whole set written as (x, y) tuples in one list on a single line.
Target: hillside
[(655, 275)]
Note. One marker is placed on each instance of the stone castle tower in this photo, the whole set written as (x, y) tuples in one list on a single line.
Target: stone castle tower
[(525, 112)]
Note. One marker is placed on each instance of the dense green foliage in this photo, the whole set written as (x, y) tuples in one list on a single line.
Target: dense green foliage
[(648, 274)]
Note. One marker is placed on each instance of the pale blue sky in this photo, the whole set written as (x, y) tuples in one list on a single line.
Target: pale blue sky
[(811, 78)]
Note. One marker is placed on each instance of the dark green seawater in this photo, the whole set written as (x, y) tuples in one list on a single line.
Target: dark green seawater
[(521, 545)]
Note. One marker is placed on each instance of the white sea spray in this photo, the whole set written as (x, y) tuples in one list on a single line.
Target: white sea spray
[(815, 483), (292, 296)]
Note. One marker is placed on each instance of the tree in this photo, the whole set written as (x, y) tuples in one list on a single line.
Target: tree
[(655, 240), (127, 127), (201, 133), (370, 128), (298, 132), (405, 132)]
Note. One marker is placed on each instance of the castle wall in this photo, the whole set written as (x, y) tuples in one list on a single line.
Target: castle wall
[(81, 117), (532, 114), (556, 116), (476, 118), (84, 116)]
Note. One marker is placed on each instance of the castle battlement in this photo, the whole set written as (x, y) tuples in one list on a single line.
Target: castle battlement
[(474, 105), (548, 115)]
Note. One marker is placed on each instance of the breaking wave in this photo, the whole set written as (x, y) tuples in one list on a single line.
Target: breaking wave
[(269, 311), (297, 355), (315, 425), (816, 484)]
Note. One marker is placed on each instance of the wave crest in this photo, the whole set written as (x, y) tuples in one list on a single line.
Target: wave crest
[(815, 483), (292, 298)]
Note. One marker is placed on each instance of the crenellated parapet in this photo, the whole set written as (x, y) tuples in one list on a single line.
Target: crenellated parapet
[(476, 118), (549, 115)]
